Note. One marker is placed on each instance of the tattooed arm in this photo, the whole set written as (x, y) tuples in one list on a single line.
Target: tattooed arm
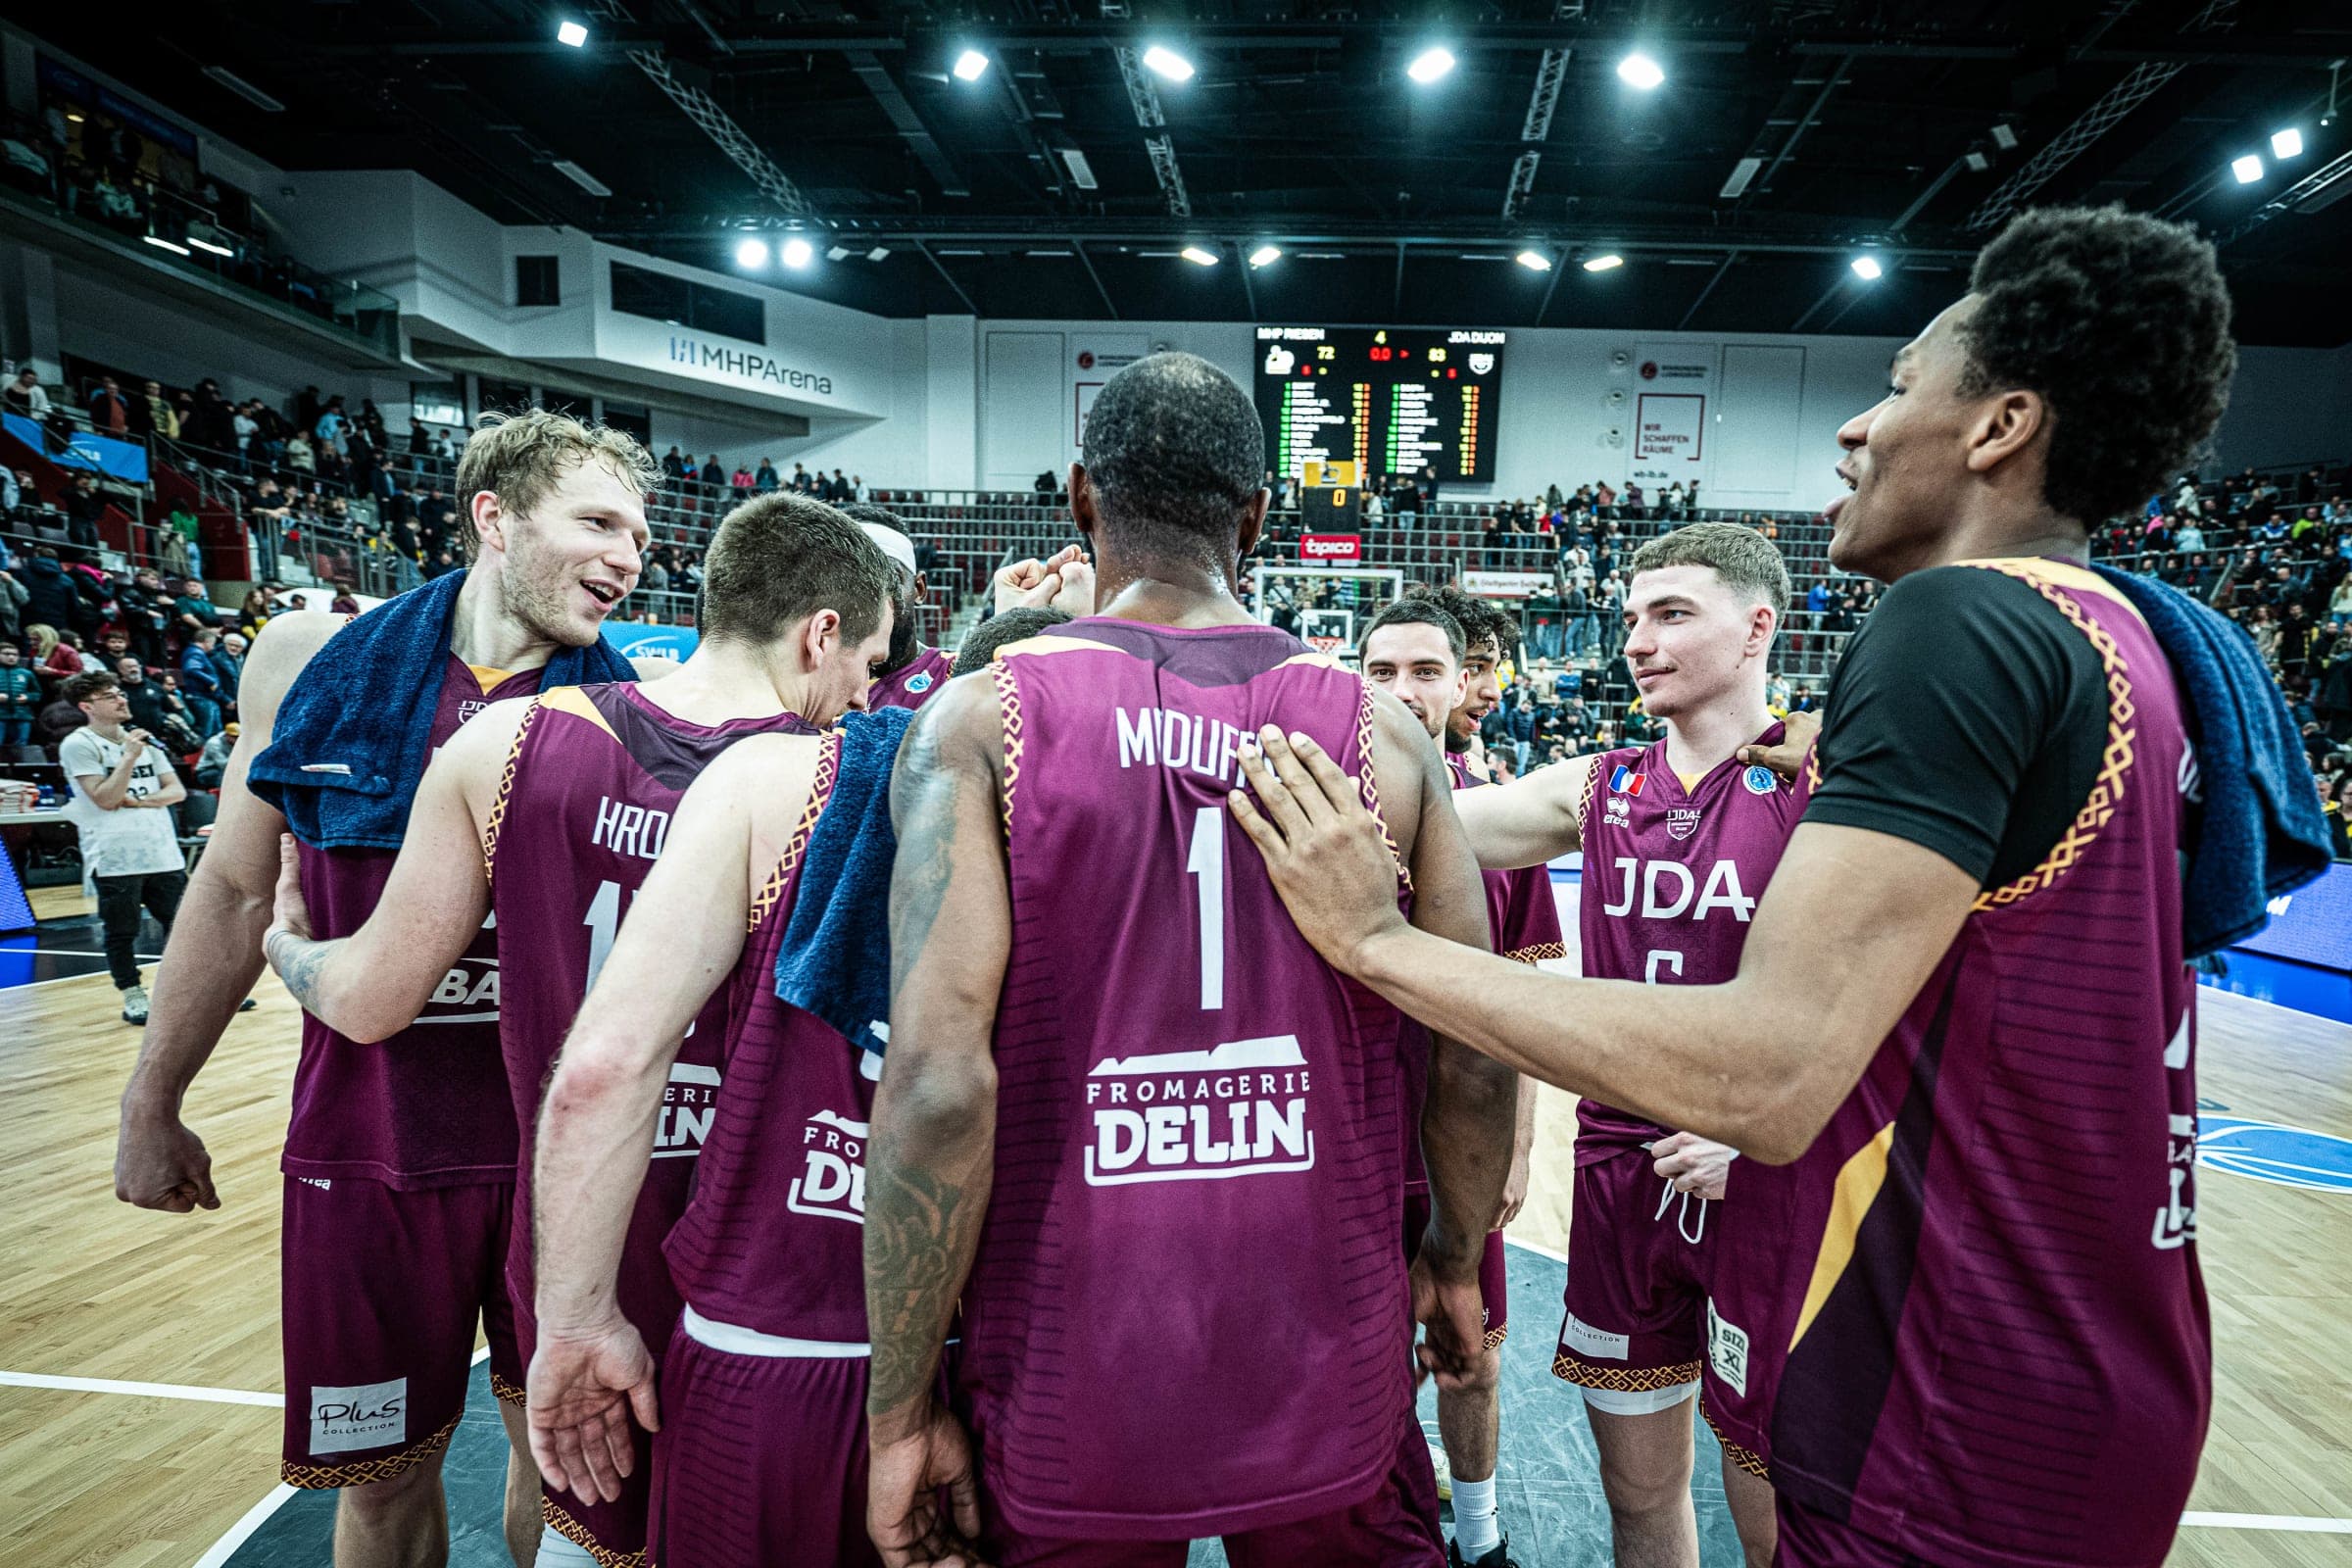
[(371, 984), (932, 1156)]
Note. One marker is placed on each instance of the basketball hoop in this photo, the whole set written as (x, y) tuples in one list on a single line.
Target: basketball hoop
[(1327, 645)]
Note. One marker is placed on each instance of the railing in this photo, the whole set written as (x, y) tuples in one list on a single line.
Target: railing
[(161, 224)]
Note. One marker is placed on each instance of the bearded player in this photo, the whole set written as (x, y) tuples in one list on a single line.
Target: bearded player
[(400, 1156), (547, 812), (1144, 1139), (913, 671), (1998, 1355), (1415, 650)]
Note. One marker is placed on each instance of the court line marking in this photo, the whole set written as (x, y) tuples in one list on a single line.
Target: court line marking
[(75, 953), (2306, 1523), (239, 1533), (153, 1391)]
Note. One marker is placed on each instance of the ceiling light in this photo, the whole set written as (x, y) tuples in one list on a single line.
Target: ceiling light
[(2248, 169), (797, 252), (173, 247), (2004, 136), (212, 245), (572, 33), (1168, 63), (1199, 257), (1744, 174), (838, 253), (970, 66), (1082, 172), (1639, 71), (1604, 263), (1430, 64), (2288, 143), (1867, 268), (878, 253), (1976, 160), (1265, 256), (1534, 261), (752, 254)]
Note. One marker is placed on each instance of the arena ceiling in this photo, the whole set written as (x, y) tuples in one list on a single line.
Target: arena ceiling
[(1067, 177)]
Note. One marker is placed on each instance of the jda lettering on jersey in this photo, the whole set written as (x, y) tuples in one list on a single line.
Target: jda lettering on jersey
[(1672, 876), (1205, 1153)]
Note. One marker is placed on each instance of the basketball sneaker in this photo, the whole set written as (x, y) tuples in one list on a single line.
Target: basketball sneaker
[(1498, 1556), (134, 1004), (1445, 1468)]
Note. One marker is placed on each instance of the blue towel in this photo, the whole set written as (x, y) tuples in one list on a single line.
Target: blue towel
[(355, 728), (2262, 832), (835, 958)]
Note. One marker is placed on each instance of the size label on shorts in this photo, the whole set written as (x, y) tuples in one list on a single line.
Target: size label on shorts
[(1727, 1350), (362, 1416)]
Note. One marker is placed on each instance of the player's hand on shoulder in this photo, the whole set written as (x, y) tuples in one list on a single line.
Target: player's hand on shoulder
[(1694, 1164), (580, 1394), (905, 1471), (1799, 730), (1326, 854)]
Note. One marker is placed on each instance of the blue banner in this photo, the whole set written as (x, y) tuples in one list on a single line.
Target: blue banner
[(2311, 924), (640, 641), (118, 459)]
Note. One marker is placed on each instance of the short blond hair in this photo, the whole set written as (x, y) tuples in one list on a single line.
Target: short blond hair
[(1743, 558), (520, 457)]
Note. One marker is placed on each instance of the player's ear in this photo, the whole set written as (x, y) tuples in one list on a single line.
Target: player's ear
[(1253, 522), (2007, 424)]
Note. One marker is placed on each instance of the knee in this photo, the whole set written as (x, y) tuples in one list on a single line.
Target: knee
[(396, 1495), (1643, 1483)]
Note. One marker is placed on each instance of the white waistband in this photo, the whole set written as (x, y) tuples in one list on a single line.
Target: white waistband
[(738, 1340)]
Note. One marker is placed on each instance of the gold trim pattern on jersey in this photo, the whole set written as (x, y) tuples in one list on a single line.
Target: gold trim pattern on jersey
[(579, 1535), (1747, 1459), (1367, 783), (1539, 952), (506, 787), (1622, 1379), (2114, 759), (1496, 1337), (1008, 724), (507, 1392), (328, 1476), (820, 790)]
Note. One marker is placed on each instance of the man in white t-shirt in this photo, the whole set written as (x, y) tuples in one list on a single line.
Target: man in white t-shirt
[(123, 791)]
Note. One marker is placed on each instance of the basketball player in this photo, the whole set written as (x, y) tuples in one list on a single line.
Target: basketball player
[(400, 1157), (913, 671), (566, 800), (1183, 1309), (1998, 1350), (1492, 634), (759, 1444), (1415, 650), (1647, 1232)]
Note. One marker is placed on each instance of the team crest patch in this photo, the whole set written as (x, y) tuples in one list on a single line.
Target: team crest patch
[(1625, 781), (918, 684), (1682, 820), (1760, 780)]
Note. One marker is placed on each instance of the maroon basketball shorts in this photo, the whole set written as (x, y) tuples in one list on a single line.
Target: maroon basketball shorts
[(1394, 1527), (380, 1293), (1634, 1331), (1750, 1315), (1494, 1288), (761, 1459), (610, 1532), (1811, 1539)]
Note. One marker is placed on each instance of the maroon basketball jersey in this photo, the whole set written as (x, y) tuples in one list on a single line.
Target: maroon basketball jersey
[(1672, 876), (582, 808), (911, 686), (427, 1106), (1189, 1313), (2001, 1355), (1523, 922), (774, 1237)]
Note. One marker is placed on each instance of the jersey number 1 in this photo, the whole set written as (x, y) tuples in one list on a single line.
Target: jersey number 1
[(1208, 863)]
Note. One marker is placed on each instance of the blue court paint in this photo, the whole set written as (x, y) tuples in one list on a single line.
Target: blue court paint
[(2271, 1152)]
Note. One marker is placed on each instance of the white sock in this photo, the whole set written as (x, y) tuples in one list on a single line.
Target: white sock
[(1475, 1530)]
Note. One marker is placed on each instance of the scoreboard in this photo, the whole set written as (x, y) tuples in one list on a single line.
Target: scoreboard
[(1392, 399)]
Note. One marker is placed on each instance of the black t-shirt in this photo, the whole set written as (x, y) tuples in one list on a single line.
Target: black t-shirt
[(1968, 717)]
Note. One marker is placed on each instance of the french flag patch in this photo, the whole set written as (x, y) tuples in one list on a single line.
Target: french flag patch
[(1625, 781)]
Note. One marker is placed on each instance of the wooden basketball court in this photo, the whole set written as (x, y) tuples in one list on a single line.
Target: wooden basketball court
[(139, 1382)]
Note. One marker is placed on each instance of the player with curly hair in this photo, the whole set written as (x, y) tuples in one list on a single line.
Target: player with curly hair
[(1976, 1334)]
